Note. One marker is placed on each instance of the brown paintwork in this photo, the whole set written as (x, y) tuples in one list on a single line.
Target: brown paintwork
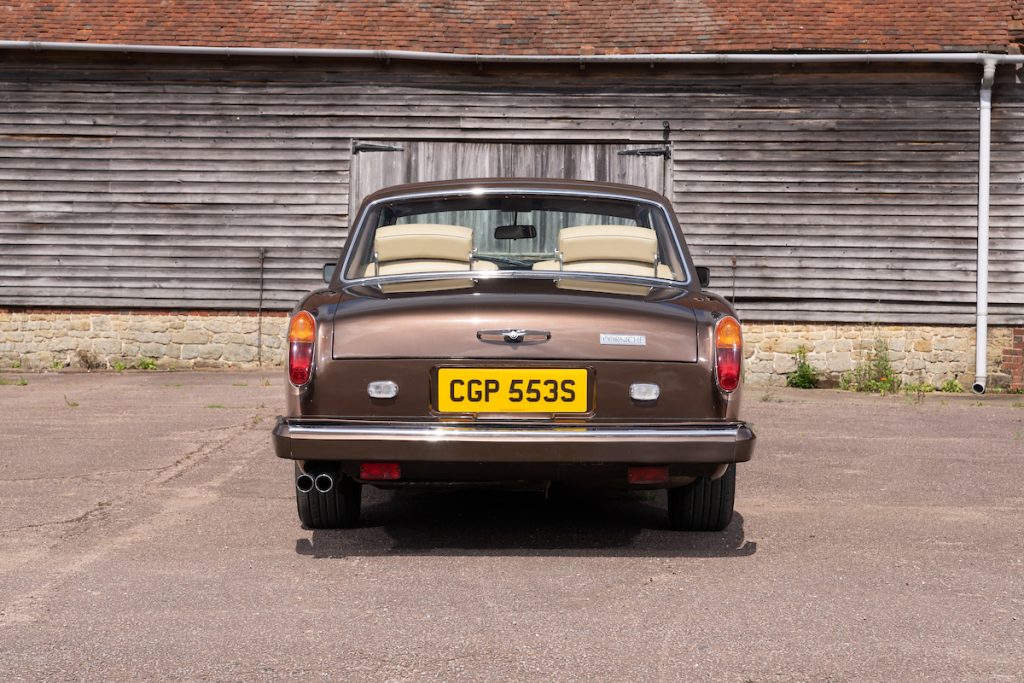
[(365, 335), (443, 326)]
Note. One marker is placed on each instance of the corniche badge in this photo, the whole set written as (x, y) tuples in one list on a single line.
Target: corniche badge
[(624, 339)]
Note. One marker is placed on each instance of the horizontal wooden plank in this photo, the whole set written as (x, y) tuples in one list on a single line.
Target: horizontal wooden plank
[(890, 204), (185, 243), (287, 261), (12, 190), (412, 113), (794, 314), (241, 230), (805, 174), (125, 300), (839, 190), (907, 258), (825, 273), (488, 129), (195, 205), (156, 145), (182, 281), (91, 179), (666, 105), (156, 216), (212, 164)]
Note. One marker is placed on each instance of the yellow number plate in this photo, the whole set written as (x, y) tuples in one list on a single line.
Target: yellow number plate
[(511, 390)]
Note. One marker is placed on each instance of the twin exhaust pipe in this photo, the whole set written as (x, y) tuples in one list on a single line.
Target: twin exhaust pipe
[(321, 483)]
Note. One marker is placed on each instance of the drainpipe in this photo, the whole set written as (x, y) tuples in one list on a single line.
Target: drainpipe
[(984, 154)]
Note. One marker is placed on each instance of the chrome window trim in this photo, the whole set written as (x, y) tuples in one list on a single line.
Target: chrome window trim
[(358, 229)]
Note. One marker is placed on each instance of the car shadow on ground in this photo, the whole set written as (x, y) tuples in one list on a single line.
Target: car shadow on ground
[(502, 522)]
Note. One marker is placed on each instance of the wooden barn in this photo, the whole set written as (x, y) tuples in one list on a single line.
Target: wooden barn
[(172, 179)]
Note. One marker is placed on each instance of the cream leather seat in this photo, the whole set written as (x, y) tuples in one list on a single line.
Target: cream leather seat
[(424, 248), (612, 249)]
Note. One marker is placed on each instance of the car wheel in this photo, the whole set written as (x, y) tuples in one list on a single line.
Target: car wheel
[(327, 500), (704, 505)]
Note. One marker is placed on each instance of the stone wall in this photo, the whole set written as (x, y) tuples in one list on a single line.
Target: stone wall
[(920, 353), (35, 340), (1013, 360)]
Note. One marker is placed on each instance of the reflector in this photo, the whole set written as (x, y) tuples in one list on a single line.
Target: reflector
[(650, 474), (380, 471)]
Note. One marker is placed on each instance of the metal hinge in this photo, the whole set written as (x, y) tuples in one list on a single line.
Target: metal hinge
[(358, 147), (647, 152)]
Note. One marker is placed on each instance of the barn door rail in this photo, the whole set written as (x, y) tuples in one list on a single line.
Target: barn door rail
[(360, 146), (660, 151)]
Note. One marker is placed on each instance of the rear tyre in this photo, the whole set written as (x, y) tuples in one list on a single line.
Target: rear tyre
[(704, 505), (335, 509)]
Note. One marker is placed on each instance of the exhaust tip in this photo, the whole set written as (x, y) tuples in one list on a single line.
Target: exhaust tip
[(323, 483), (304, 483), (978, 388)]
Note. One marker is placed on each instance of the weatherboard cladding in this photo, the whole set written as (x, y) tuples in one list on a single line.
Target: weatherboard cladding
[(526, 26), (843, 194)]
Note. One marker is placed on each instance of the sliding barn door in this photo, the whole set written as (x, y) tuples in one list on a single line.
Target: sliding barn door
[(379, 164)]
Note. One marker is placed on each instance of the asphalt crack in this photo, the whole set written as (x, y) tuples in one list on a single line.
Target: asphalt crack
[(26, 607)]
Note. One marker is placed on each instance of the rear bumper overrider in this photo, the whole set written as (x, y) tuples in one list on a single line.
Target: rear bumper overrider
[(690, 443)]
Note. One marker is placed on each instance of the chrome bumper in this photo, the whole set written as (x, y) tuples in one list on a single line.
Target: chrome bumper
[(418, 442)]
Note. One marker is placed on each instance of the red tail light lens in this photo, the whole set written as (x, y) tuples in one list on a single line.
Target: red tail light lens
[(301, 334), (728, 353)]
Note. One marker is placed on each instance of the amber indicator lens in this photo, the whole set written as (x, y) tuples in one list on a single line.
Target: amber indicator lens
[(301, 334), (728, 353)]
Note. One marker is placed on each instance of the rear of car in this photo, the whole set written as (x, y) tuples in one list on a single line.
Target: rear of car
[(513, 331)]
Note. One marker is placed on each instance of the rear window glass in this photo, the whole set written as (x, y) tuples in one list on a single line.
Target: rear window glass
[(518, 232)]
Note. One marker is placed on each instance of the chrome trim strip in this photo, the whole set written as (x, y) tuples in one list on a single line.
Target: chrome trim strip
[(560, 434)]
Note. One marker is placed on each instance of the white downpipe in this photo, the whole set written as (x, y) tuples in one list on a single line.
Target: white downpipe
[(984, 156)]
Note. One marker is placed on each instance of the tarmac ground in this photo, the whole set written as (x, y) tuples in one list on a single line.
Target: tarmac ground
[(147, 532)]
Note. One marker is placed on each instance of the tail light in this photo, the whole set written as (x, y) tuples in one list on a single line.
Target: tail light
[(728, 353), (301, 333)]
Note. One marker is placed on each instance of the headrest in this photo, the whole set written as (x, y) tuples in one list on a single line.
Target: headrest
[(423, 241), (608, 243)]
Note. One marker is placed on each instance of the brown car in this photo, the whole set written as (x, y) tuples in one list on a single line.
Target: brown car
[(515, 331)]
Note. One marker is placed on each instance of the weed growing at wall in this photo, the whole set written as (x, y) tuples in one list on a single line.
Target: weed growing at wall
[(805, 376), (875, 374), (951, 386)]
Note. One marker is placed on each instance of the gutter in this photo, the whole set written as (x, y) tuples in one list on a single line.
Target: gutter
[(412, 55)]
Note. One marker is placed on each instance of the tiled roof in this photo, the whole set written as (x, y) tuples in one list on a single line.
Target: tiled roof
[(525, 26)]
